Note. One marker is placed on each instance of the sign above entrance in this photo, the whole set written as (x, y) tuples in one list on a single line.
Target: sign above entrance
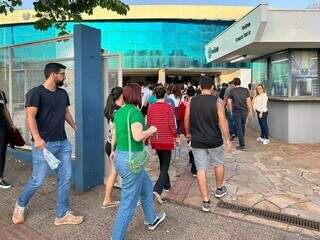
[(237, 35)]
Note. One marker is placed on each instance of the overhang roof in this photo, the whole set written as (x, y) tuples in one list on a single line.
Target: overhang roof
[(263, 31)]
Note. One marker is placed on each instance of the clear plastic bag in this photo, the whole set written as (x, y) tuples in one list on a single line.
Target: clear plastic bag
[(52, 161)]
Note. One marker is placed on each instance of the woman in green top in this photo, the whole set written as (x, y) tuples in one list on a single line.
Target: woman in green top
[(134, 186)]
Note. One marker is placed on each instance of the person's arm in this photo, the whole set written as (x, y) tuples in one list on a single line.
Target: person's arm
[(223, 125), (69, 119), (249, 106), (187, 120), (31, 113), (230, 105), (138, 134), (172, 122), (113, 143)]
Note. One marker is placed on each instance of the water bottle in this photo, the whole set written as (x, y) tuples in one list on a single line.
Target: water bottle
[(177, 152)]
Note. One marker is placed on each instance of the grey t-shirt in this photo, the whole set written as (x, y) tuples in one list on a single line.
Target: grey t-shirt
[(239, 96), (227, 91)]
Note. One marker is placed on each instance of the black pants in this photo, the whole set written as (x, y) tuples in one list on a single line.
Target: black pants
[(163, 181), (4, 134)]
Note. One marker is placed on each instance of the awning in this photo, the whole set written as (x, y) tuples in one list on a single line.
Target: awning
[(263, 31)]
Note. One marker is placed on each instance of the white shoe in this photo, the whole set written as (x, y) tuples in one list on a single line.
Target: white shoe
[(266, 141), (260, 139)]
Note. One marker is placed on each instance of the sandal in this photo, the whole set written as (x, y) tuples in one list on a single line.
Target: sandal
[(110, 205)]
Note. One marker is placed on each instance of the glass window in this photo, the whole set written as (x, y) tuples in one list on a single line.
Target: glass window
[(28, 62), (259, 72), (143, 44), (305, 78), (279, 74), (4, 71)]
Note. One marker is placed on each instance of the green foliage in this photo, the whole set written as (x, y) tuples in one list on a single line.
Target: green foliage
[(9, 5), (58, 12)]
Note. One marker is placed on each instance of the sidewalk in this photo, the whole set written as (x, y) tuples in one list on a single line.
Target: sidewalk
[(182, 223), (279, 177)]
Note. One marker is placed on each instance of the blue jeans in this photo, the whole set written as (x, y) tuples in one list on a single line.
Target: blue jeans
[(263, 122), (61, 150), (231, 123), (134, 186), (240, 122)]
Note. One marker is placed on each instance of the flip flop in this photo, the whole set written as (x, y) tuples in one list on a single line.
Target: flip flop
[(111, 204)]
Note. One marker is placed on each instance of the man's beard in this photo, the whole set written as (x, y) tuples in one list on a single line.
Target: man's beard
[(60, 83)]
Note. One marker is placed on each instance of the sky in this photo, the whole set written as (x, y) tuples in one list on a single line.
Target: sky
[(287, 4)]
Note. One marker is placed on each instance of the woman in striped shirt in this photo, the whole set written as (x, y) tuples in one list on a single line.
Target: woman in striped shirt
[(161, 115)]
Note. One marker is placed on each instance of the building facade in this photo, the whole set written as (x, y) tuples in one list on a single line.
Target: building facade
[(149, 38), (283, 47)]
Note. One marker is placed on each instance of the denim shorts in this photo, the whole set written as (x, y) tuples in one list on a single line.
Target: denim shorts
[(204, 157)]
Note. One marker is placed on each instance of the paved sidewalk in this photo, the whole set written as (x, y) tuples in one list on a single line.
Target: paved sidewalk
[(182, 223), (278, 177), (20, 232)]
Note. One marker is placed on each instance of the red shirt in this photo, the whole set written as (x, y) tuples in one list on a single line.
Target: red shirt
[(161, 116)]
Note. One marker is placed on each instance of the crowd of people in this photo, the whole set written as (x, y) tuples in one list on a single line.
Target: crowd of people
[(156, 114)]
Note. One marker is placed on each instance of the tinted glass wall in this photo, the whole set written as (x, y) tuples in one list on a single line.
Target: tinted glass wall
[(143, 44), (297, 70), (305, 73)]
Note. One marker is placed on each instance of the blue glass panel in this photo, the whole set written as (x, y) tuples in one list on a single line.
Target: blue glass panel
[(143, 43)]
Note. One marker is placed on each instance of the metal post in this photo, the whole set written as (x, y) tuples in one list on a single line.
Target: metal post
[(10, 81)]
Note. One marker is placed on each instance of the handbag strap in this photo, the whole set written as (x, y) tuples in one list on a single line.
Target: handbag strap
[(129, 131)]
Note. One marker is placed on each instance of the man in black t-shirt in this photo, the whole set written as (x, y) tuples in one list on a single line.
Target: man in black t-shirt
[(47, 109), (239, 104), (5, 125), (204, 117)]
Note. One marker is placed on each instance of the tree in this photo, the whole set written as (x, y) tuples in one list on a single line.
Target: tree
[(58, 12)]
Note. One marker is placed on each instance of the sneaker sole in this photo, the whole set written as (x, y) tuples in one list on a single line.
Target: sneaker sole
[(160, 221), (68, 223), (111, 205), (5, 187), (206, 209), (221, 195)]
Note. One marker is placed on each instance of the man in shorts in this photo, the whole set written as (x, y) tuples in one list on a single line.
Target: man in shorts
[(204, 118)]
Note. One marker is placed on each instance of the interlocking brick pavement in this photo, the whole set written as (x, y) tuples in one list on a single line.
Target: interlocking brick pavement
[(9, 231)]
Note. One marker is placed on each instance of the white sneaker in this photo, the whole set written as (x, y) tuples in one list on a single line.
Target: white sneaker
[(266, 141), (260, 139)]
